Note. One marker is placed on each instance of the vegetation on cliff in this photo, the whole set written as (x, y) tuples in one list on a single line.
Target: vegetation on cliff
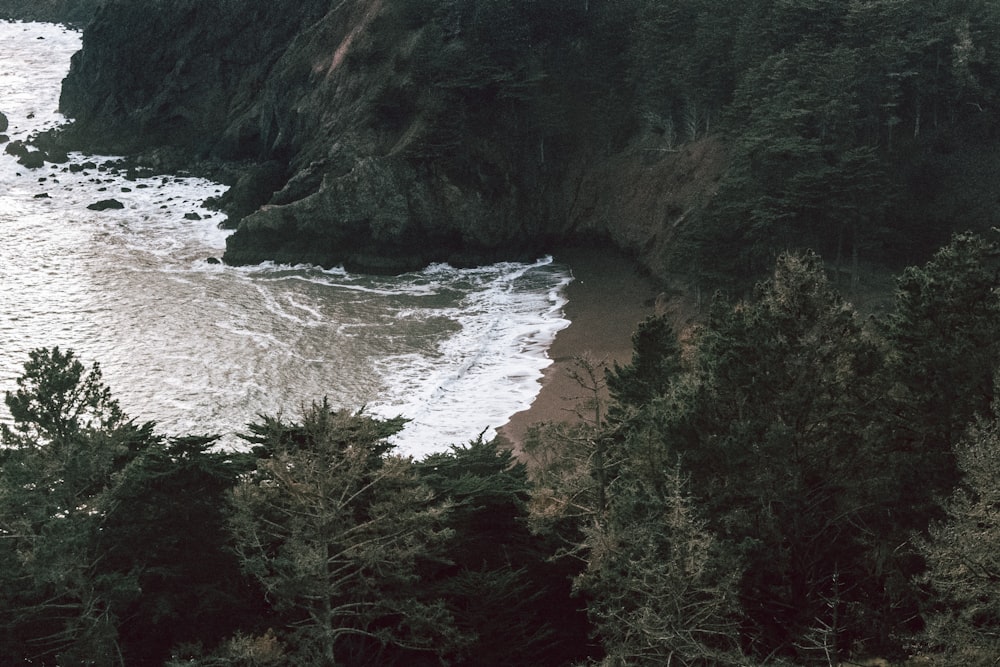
[(782, 488), (705, 138)]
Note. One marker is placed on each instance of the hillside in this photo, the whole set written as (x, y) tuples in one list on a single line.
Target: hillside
[(363, 141), (385, 134)]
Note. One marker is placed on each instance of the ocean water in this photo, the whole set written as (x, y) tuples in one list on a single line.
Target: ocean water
[(199, 347)]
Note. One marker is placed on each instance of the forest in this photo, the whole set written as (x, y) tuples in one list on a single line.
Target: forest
[(791, 483), (864, 130)]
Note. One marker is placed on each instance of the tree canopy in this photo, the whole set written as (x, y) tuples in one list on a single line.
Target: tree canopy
[(794, 483)]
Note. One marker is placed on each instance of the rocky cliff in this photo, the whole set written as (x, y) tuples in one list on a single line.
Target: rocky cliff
[(383, 135)]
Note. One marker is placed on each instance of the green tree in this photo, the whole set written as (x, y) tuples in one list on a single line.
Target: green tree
[(335, 528), (659, 587), (662, 587), (656, 359), (942, 334), (68, 443), (838, 116), (776, 425), (681, 63), (963, 556), (804, 175), (165, 528), (499, 582), (57, 400)]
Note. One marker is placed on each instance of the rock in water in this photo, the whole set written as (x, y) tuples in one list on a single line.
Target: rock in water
[(32, 159), (106, 204), (25, 156), (16, 148), (3, 122)]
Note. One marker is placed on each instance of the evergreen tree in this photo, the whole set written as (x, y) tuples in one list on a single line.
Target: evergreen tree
[(499, 583), (776, 425), (113, 541), (662, 587), (58, 463), (945, 352), (334, 528), (656, 359), (963, 557), (165, 528)]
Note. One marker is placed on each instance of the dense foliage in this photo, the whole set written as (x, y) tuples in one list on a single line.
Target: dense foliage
[(843, 116), (318, 546), (776, 493), (112, 539), (858, 129), (793, 484)]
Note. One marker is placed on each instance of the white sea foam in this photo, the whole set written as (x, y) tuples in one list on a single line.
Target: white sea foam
[(491, 368), (201, 347)]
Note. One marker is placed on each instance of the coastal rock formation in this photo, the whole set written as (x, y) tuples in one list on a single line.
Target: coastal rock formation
[(16, 148), (34, 156), (381, 136), (32, 160), (106, 205)]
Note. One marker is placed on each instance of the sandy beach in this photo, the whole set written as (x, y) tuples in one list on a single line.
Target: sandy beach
[(606, 300)]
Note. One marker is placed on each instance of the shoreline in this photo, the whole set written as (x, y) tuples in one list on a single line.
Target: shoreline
[(606, 299)]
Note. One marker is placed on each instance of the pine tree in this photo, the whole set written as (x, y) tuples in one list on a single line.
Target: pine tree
[(662, 587), (656, 359), (334, 529), (58, 464), (944, 355), (164, 528), (499, 581), (776, 425), (963, 557)]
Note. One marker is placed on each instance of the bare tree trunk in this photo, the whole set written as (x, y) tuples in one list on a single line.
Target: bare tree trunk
[(327, 632), (840, 255), (855, 278)]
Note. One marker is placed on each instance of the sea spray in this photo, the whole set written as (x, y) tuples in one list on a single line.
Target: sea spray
[(200, 347)]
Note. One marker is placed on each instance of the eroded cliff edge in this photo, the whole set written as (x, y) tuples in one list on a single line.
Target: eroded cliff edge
[(386, 134)]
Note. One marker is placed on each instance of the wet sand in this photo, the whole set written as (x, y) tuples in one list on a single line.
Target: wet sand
[(606, 300)]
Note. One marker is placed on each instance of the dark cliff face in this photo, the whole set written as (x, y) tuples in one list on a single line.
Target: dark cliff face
[(377, 134), (177, 73)]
